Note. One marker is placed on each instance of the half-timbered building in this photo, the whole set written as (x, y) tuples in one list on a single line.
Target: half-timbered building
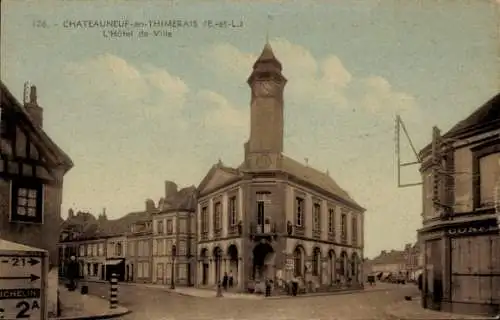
[(273, 217), (459, 237), (32, 168)]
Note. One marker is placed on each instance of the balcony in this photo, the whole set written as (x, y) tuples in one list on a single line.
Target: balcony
[(316, 234), (331, 236), (204, 236), (343, 239), (262, 231)]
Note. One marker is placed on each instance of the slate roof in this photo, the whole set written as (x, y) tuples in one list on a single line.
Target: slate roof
[(487, 114), (309, 175), (390, 257), (9, 102), (88, 226), (315, 177), (183, 200)]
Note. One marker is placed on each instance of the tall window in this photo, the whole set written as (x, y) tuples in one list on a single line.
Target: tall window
[(354, 230), (316, 262), (232, 211), (299, 212), (159, 227), (204, 219), (217, 216), (118, 249), (344, 226), (260, 212), (160, 248), (170, 226), (317, 216), (331, 220), (489, 174), (298, 262)]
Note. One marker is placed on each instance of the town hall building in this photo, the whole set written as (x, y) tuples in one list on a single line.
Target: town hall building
[(273, 217)]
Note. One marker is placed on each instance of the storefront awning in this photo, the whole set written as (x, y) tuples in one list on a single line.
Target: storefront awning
[(113, 262)]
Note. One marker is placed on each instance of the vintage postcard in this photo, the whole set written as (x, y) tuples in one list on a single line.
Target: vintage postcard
[(224, 159)]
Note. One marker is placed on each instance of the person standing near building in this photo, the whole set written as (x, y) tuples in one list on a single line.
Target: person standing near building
[(231, 279), (225, 281), (72, 273)]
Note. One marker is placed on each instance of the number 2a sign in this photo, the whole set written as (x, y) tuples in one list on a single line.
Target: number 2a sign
[(22, 282)]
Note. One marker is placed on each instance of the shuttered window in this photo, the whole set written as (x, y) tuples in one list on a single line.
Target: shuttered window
[(489, 173)]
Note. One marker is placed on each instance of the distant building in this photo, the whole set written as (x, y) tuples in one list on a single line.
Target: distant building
[(174, 232), (100, 245), (389, 264), (32, 169), (459, 236), (140, 243), (273, 217)]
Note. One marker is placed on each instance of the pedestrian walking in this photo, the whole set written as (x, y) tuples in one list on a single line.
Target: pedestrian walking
[(225, 281), (231, 279)]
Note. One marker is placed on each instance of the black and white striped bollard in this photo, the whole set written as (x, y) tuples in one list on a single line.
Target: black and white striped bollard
[(113, 292)]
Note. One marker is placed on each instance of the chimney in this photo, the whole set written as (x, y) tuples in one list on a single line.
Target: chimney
[(150, 205), (71, 213), (32, 107), (170, 189)]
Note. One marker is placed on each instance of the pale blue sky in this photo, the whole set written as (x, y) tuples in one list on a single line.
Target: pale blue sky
[(134, 112)]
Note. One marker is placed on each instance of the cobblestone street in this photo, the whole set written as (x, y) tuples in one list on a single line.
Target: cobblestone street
[(155, 304)]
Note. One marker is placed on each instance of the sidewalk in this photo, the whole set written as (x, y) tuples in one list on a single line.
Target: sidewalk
[(77, 306), (412, 310), (211, 292)]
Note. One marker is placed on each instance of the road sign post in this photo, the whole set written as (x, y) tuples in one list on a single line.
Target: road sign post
[(23, 281)]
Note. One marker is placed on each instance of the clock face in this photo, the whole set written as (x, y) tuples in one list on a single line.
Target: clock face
[(263, 161)]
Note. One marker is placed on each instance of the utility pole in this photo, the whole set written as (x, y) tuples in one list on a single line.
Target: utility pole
[(400, 126)]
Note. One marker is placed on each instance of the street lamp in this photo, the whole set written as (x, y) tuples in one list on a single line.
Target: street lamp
[(174, 253)]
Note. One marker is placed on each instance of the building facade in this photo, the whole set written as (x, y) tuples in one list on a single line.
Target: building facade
[(100, 245), (273, 217), (140, 243), (174, 237), (459, 236), (32, 168), (116, 253)]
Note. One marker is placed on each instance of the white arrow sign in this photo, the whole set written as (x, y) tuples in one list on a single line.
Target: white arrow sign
[(22, 279)]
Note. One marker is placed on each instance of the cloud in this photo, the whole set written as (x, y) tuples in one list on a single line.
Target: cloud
[(108, 81), (324, 82), (222, 113)]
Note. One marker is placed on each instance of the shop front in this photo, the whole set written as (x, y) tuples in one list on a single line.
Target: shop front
[(462, 267)]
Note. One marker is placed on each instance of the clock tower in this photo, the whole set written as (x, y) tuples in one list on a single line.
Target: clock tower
[(266, 112)]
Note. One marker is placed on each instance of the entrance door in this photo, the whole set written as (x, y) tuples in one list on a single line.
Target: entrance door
[(205, 274), (159, 273)]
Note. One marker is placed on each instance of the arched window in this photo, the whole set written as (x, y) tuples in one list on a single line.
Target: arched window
[(316, 262), (298, 261)]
